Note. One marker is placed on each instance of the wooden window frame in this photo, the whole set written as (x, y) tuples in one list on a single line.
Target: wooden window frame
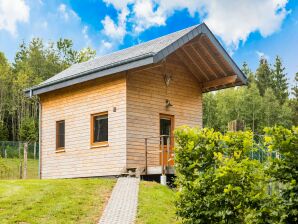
[(172, 118), (59, 149), (97, 144)]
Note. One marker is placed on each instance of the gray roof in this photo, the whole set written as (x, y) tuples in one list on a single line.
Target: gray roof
[(143, 54)]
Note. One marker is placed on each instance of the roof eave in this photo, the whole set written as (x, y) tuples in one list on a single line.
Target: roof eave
[(201, 29), (90, 75), (224, 53)]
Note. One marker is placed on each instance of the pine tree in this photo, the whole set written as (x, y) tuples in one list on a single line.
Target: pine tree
[(295, 88), (264, 76), (280, 85), (248, 73), (294, 101)]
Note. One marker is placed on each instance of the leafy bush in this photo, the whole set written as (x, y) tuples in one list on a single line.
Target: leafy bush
[(28, 130), (285, 170), (219, 182), (3, 168)]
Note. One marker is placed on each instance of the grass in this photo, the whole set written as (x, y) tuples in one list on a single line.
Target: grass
[(156, 204), (10, 168), (53, 201)]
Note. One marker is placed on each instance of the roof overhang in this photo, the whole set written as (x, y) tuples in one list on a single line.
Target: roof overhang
[(152, 58), (90, 75)]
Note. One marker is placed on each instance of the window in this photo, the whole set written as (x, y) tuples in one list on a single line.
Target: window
[(165, 129), (99, 129), (60, 135)]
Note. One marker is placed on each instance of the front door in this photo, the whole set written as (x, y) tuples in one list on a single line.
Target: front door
[(166, 123)]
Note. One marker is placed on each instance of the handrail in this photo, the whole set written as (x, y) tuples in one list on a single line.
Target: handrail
[(164, 164)]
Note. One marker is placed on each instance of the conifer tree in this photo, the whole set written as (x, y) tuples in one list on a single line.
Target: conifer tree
[(264, 76), (248, 73), (295, 88), (279, 85), (294, 101)]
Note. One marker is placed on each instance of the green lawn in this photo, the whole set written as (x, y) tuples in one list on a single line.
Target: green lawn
[(53, 201), (10, 168), (156, 204)]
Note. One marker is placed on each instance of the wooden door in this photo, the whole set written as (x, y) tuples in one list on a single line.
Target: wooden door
[(166, 126)]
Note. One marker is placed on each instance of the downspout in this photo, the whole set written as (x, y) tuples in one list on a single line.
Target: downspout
[(40, 139)]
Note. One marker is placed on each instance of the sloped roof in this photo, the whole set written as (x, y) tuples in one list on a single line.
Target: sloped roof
[(139, 55)]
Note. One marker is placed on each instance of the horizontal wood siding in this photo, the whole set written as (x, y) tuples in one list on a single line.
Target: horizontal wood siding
[(146, 99), (75, 105)]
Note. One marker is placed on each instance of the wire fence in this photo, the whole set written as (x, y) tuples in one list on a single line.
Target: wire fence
[(19, 160)]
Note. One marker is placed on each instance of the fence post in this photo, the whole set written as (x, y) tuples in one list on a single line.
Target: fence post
[(25, 159), (21, 170), (2, 147), (34, 150), (20, 145)]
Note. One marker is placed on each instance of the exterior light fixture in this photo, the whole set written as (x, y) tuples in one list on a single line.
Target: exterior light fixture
[(167, 78), (168, 103)]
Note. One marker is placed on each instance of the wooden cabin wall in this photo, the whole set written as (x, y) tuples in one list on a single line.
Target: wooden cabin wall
[(146, 96), (75, 105)]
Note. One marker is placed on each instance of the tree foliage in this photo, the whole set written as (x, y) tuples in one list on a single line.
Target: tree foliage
[(294, 100), (219, 182), (33, 63), (264, 76), (285, 170), (280, 82), (264, 102)]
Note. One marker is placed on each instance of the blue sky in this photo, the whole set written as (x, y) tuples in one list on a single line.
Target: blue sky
[(248, 29)]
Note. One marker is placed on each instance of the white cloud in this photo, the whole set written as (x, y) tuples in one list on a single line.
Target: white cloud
[(66, 13), (11, 13), (232, 20), (106, 44), (112, 30), (262, 55), (116, 31), (87, 39), (62, 8), (146, 16)]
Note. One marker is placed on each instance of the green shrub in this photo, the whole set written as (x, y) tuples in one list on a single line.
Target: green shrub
[(28, 130), (218, 181), (3, 168), (285, 170)]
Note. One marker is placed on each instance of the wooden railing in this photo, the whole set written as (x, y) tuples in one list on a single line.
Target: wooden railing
[(164, 151)]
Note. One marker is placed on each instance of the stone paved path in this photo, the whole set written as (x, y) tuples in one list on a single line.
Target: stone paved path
[(122, 205)]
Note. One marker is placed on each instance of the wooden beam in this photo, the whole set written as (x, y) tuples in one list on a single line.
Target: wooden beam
[(219, 82), (188, 66), (195, 63), (202, 60), (193, 41), (206, 49)]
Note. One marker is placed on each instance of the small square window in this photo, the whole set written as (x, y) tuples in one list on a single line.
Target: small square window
[(99, 128), (60, 135)]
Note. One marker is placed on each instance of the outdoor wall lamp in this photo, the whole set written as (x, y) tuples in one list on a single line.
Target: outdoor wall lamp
[(168, 103), (168, 79)]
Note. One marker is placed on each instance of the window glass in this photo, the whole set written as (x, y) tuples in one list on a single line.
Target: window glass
[(165, 129), (100, 128), (60, 129)]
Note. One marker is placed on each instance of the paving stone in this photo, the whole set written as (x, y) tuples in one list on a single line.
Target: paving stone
[(122, 205)]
